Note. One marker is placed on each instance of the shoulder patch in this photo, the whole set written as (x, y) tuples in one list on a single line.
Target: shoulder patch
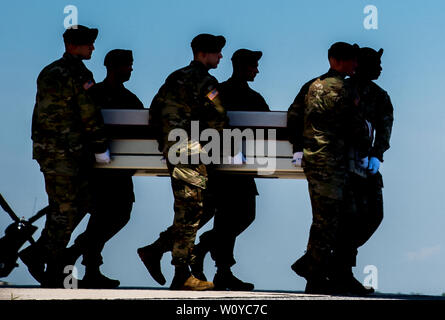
[(212, 94)]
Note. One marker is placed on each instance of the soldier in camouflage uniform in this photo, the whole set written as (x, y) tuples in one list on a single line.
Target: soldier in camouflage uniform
[(189, 94), (331, 122), (235, 201), (67, 132), (375, 105), (112, 190)]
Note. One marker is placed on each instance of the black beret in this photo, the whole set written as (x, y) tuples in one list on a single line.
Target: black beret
[(369, 53), (343, 51), (205, 42), (79, 35), (118, 57), (245, 56)]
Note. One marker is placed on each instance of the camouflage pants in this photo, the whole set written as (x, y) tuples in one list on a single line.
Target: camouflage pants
[(189, 183), (328, 244), (69, 200)]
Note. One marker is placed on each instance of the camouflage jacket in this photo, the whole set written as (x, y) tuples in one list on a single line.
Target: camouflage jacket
[(332, 123), (295, 118), (378, 110), (188, 94), (67, 128)]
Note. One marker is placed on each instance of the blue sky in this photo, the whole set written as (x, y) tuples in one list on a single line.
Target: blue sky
[(409, 247)]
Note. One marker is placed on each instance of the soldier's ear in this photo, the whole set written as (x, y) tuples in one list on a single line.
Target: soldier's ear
[(380, 52)]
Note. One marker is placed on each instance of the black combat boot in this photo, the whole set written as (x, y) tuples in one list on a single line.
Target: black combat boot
[(319, 285), (225, 280), (55, 277), (151, 256), (94, 279), (302, 266)]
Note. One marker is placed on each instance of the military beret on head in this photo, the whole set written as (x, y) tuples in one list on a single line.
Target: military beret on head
[(205, 42), (343, 51), (245, 56), (79, 35), (369, 53), (118, 57)]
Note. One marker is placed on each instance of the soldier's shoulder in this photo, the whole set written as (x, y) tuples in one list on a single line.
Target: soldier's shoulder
[(55, 69), (135, 101), (376, 88)]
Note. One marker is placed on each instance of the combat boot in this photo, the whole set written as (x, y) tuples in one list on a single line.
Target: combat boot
[(354, 287), (302, 266), (151, 257), (33, 259), (225, 280), (96, 280), (183, 280), (55, 278), (197, 266), (319, 285)]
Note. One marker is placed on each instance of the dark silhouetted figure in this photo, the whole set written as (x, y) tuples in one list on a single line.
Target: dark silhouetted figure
[(234, 194), (112, 190)]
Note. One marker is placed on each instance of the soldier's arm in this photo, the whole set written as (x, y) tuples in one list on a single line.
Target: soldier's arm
[(91, 117), (214, 113), (355, 126), (383, 126), (54, 96), (295, 119)]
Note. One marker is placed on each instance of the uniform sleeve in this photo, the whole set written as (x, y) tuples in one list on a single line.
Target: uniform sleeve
[(213, 112), (91, 118), (356, 129), (383, 126), (295, 119)]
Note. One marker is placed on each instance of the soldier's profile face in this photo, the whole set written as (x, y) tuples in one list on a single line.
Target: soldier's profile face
[(251, 71), (212, 59), (124, 72), (84, 50), (375, 69)]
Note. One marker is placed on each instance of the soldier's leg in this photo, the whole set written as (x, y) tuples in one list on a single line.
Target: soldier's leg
[(68, 200), (188, 207), (232, 218), (374, 214), (367, 194)]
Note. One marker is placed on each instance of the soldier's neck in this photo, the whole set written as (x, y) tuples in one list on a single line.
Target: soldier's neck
[(112, 81)]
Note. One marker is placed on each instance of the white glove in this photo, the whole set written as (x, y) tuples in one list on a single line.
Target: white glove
[(296, 160), (239, 158), (103, 157), (374, 165), (364, 163)]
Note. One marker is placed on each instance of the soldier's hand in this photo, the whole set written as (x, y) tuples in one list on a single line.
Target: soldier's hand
[(374, 165), (296, 159), (103, 158)]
